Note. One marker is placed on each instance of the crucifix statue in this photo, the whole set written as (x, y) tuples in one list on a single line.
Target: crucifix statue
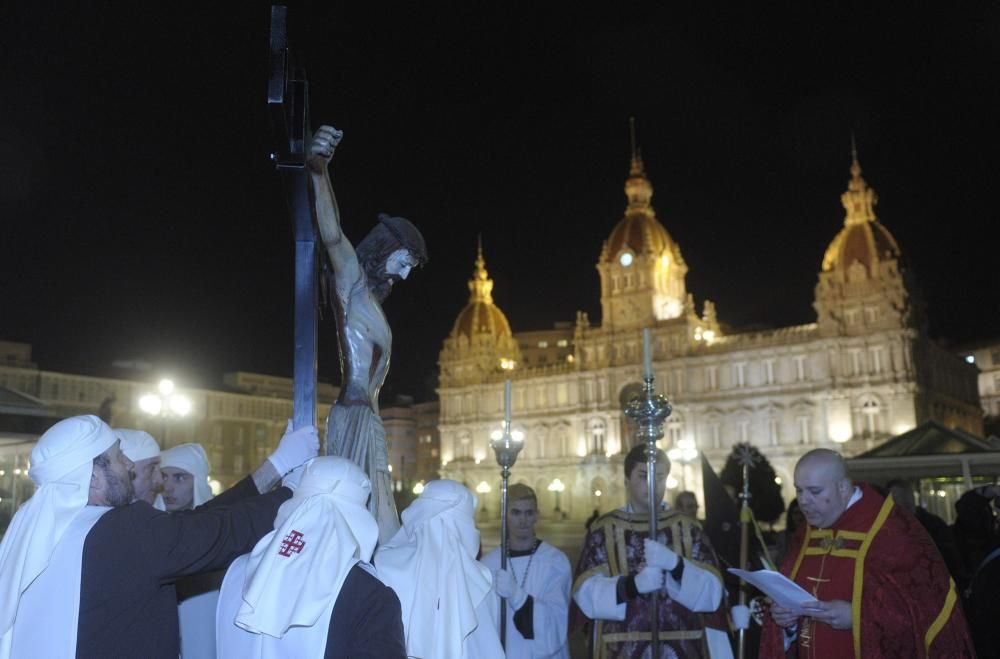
[(360, 279)]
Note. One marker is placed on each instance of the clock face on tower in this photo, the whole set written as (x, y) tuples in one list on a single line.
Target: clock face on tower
[(671, 309), (625, 259)]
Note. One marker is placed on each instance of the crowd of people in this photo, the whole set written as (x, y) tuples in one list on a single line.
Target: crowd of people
[(123, 551)]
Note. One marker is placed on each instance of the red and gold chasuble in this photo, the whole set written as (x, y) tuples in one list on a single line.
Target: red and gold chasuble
[(614, 547), (879, 558)]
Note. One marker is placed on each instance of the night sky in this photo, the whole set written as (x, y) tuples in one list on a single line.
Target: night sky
[(141, 218)]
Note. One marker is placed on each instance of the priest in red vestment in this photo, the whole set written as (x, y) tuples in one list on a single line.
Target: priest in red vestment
[(882, 589)]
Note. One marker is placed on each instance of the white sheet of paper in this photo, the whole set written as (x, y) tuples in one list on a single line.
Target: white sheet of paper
[(778, 587)]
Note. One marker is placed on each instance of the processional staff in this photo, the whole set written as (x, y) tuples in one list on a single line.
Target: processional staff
[(506, 449), (746, 460), (648, 411)]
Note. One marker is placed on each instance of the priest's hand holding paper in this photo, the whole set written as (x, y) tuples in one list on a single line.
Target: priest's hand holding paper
[(836, 613), (782, 616), (659, 555), (508, 588)]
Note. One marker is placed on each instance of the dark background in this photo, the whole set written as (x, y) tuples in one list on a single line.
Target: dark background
[(141, 218)]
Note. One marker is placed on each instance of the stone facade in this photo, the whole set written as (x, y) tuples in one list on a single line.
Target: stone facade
[(238, 428), (985, 356), (864, 371)]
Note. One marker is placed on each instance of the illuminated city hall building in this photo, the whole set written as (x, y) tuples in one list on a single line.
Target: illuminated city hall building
[(863, 372)]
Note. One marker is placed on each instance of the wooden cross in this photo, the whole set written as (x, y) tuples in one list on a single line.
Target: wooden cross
[(288, 103)]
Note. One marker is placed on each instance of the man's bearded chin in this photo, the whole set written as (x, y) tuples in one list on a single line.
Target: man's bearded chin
[(381, 286), (120, 491)]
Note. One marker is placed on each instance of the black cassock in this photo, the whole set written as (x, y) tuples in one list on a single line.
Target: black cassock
[(366, 622), (134, 554)]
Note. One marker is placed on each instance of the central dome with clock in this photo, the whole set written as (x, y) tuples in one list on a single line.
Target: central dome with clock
[(641, 267)]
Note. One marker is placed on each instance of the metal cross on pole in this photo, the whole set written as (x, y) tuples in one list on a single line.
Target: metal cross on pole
[(288, 103), (649, 410)]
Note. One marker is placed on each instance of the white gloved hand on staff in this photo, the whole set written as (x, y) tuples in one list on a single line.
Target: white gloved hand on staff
[(659, 555), (741, 616), (508, 588), (295, 448), (648, 579)]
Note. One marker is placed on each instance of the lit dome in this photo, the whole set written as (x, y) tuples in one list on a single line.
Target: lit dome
[(480, 315), (639, 232), (863, 238)]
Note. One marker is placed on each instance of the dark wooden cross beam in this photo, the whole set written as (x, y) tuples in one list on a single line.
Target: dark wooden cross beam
[(288, 103)]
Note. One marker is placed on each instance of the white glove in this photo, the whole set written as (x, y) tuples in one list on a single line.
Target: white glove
[(295, 447), (508, 588), (292, 478), (741, 616), (650, 578), (659, 555)]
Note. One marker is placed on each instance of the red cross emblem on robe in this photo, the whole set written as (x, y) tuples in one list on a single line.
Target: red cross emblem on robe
[(292, 542)]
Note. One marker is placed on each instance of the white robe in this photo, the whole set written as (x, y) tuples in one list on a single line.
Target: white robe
[(196, 614), (54, 597), (277, 603), (196, 621), (548, 581), (484, 641), (446, 595), (232, 642)]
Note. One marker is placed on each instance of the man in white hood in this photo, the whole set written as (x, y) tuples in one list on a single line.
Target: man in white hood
[(449, 609), (185, 477), (86, 571), (185, 487), (307, 589), (140, 447)]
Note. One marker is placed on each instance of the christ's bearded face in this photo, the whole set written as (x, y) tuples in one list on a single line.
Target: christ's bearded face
[(395, 268)]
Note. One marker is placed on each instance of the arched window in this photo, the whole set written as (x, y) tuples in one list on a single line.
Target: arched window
[(627, 429), (597, 436), (675, 429), (463, 447), (559, 443), (540, 437), (870, 416), (715, 431)]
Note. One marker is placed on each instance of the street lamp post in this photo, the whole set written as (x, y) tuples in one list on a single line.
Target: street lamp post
[(166, 403), (506, 445), (684, 453)]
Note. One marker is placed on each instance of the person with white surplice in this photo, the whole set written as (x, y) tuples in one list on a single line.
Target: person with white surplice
[(536, 583)]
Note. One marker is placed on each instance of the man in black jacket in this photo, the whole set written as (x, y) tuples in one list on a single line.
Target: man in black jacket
[(85, 571)]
